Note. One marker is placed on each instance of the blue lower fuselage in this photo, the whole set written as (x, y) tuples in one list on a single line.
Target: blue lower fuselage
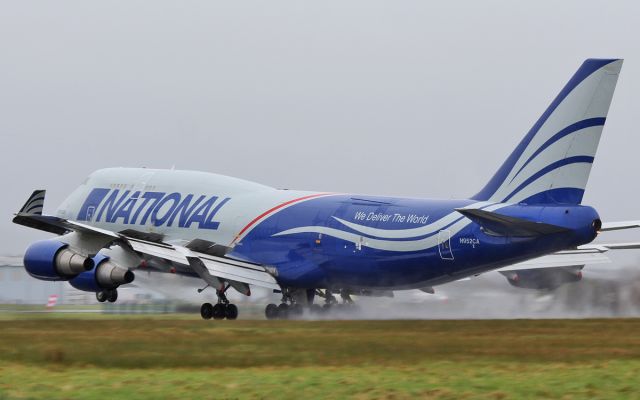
[(341, 241)]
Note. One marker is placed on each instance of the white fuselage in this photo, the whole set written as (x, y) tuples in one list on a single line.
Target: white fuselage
[(246, 201)]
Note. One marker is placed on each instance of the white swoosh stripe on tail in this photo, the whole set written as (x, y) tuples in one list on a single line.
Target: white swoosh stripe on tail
[(563, 116), (557, 151), (572, 176)]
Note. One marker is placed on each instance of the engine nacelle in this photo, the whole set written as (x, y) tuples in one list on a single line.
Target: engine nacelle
[(543, 278), (104, 276), (51, 260)]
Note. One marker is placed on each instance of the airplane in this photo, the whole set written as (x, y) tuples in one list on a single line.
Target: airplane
[(528, 222)]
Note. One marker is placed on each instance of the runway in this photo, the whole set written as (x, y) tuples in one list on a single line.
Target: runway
[(181, 356)]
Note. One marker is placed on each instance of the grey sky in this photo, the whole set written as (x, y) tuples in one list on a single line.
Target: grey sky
[(404, 98)]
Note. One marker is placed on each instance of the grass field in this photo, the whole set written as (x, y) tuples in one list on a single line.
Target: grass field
[(68, 357)]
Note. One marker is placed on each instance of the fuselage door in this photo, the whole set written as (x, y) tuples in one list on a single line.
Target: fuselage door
[(91, 210), (444, 246)]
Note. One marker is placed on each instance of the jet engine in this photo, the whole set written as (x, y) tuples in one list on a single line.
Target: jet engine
[(105, 275), (51, 260), (544, 278)]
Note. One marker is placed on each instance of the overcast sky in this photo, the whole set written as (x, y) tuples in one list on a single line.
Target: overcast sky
[(403, 98)]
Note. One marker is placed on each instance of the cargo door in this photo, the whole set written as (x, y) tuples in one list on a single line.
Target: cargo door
[(444, 246)]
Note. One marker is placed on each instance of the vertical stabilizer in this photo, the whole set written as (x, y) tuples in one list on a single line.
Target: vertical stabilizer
[(552, 163)]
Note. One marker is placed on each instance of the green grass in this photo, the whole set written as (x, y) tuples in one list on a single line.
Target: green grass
[(150, 358)]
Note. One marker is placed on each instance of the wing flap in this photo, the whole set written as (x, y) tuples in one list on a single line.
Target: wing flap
[(160, 250), (218, 267), (207, 247), (251, 276)]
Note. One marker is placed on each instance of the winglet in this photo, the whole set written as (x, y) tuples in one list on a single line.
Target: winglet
[(34, 204)]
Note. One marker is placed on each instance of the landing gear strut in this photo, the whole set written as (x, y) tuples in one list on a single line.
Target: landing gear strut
[(346, 297), (221, 310)]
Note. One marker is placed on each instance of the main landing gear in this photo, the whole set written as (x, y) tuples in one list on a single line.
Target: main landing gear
[(283, 311), (295, 304), (221, 310), (291, 305), (107, 295)]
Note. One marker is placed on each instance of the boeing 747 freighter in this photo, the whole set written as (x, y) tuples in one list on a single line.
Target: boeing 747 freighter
[(528, 222)]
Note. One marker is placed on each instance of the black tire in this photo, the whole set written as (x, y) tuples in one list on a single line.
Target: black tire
[(113, 296), (231, 311), (206, 311), (283, 311), (271, 311), (219, 311), (315, 309), (102, 296)]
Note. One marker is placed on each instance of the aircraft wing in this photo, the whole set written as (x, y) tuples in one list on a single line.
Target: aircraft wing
[(592, 253), (211, 267), (225, 268)]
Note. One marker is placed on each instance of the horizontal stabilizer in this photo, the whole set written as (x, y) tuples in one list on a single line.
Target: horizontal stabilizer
[(504, 225), (585, 255), (616, 226)]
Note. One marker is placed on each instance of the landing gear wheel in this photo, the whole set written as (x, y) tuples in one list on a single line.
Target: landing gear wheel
[(112, 296), (102, 296), (271, 311), (283, 311), (219, 311), (206, 311), (315, 309), (231, 311)]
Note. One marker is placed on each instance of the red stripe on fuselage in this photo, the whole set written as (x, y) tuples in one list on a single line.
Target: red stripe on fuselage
[(279, 206)]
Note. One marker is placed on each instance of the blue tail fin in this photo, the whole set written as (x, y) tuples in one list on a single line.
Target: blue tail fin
[(552, 163)]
